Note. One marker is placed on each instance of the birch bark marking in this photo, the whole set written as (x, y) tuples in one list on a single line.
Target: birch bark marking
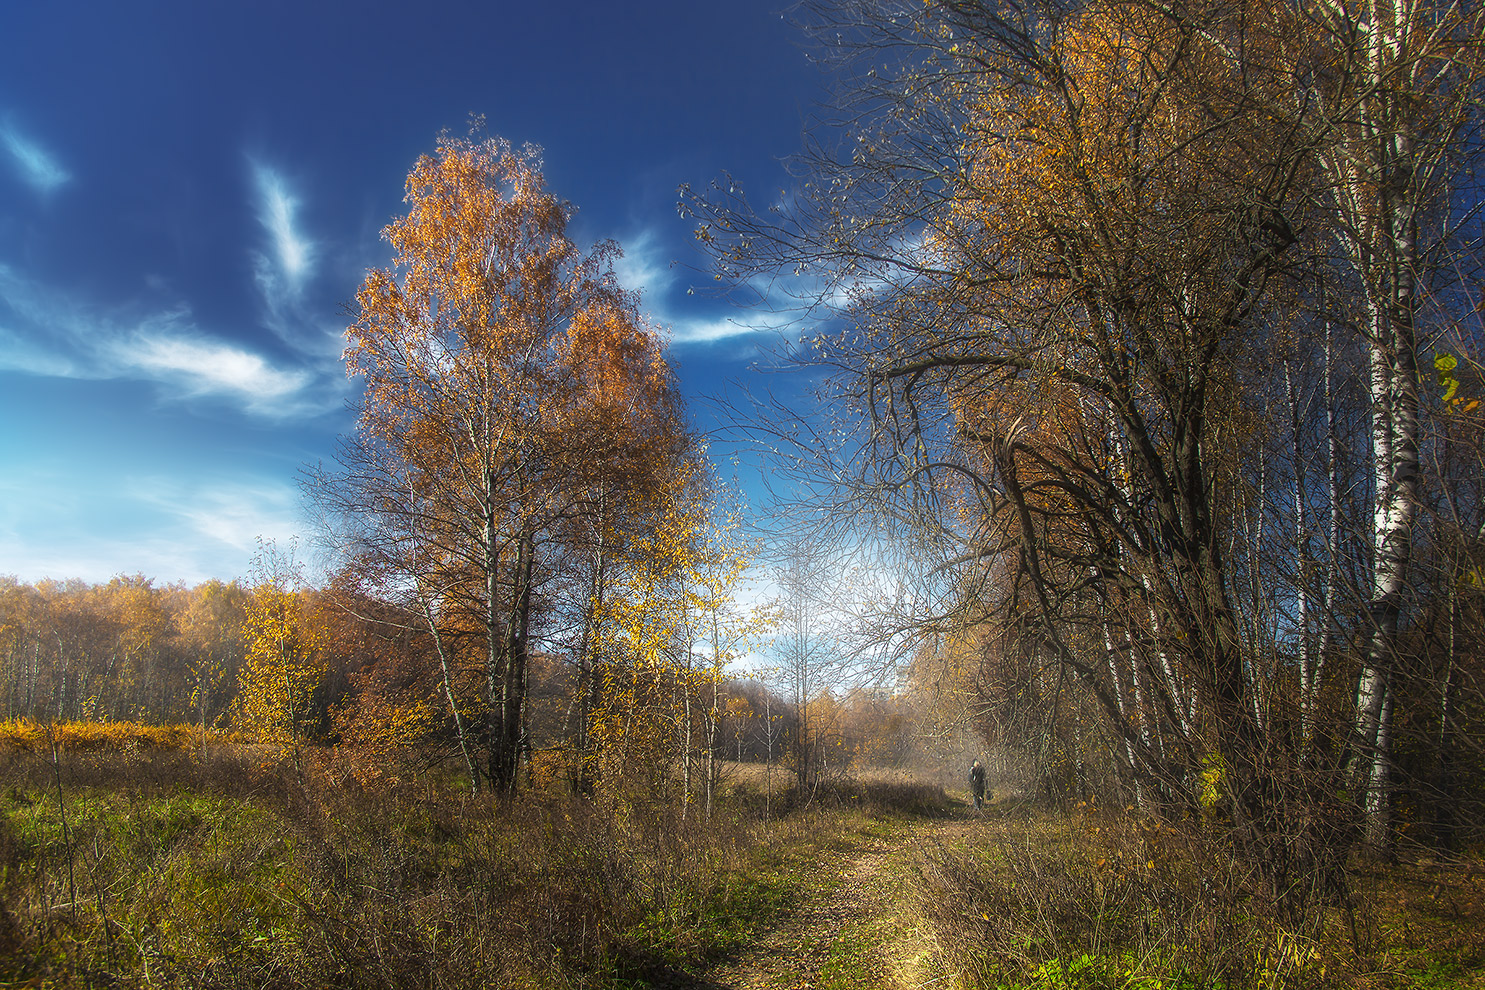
[(1389, 264), (461, 734), (1308, 677), (1333, 535)]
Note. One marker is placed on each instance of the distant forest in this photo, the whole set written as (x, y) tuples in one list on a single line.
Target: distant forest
[(132, 650)]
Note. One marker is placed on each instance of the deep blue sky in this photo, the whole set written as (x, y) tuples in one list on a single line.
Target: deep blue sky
[(191, 192)]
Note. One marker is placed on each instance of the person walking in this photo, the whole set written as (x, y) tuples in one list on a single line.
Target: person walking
[(977, 784)]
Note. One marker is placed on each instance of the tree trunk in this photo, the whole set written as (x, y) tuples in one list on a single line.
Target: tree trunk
[(1302, 569), (1378, 175), (506, 743), (448, 693)]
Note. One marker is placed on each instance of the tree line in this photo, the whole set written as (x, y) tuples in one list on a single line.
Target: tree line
[(272, 660)]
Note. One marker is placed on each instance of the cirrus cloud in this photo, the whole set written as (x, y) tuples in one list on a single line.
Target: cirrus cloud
[(34, 164), (293, 253), (204, 367), (782, 310), (53, 334)]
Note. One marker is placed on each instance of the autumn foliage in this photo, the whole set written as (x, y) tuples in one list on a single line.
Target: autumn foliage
[(26, 735), (518, 428)]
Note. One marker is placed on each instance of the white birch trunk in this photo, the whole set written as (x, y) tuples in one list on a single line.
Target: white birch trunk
[(1333, 536), (1390, 262), (1119, 699), (1307, 677)]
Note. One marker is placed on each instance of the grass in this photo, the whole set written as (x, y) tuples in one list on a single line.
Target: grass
[(164, 868), (1030, 900), (1425, 926), (161, 867), (110, 882)]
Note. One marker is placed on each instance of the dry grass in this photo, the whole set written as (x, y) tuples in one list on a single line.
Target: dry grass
[(27, 736), (1029, 899), (870, 790), (138, 866), (158, 867)]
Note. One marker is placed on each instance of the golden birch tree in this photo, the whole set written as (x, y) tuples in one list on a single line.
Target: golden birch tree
[(504, 371), (282, 667)]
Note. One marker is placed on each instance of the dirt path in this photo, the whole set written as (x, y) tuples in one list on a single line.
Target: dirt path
[(849, 934), (793, 955)]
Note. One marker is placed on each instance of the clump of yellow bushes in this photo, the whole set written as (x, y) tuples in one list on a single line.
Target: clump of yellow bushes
[(37, 737)]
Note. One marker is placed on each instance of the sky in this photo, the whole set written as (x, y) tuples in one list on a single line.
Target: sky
[(190, 194)]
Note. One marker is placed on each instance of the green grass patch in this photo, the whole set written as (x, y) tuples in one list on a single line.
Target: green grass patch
[(108, 882), (1095, 972)]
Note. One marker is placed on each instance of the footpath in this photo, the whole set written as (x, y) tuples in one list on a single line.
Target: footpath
[(855, 930)]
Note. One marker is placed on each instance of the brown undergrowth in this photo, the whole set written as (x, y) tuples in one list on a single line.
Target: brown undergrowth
[(248, 867), (1027, 898)]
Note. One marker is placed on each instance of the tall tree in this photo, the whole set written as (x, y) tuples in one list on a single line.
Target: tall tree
[(805, 647), (1073, 241), (1059, 234), (212, 626), (499, 363), (1397, 110)]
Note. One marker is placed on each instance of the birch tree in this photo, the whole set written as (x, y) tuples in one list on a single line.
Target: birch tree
[(283, 665), (497, 359), (1396, 114)]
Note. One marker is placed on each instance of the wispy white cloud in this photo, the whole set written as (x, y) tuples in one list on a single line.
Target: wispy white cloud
[(206, 367), (182, 528), (644, 268), (231, 512), (284, 271), (54, 334), (704, 331), (35, 165), (19, 354), (293, 252)]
